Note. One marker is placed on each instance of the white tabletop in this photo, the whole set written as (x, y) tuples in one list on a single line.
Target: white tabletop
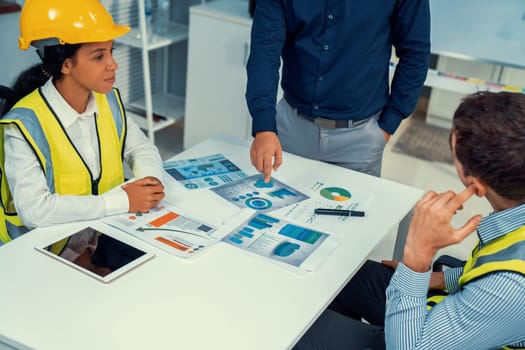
[(224, 298), (483, 30)]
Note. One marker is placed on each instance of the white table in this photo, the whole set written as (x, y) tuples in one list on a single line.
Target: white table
[(223, 299)]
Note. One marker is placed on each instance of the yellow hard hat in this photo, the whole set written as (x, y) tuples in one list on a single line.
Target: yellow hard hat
[(68, 21)]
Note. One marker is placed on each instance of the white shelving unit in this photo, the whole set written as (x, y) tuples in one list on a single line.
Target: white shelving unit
[(218, 50), (217, 53), (150, 103)]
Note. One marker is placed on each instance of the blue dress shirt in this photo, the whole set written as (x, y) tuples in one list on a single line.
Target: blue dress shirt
[(335, 56), (486, 313)]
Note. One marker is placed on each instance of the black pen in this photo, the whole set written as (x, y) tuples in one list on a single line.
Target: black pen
[(338, 212)]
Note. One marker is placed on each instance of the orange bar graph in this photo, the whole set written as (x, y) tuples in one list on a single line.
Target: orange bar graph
[(159, 222), (173, 244)]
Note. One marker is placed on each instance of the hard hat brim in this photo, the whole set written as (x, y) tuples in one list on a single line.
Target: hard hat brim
[(115, 32)]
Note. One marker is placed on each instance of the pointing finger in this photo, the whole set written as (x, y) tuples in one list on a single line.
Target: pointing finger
[(457, 201)]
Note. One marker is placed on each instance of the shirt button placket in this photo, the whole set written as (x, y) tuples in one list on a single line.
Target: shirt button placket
[(326, 47)]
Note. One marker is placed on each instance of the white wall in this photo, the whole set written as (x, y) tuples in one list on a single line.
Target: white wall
[(13, 60)]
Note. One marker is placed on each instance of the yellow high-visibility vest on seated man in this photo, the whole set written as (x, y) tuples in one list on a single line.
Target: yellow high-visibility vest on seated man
[(63, 167), (506, 253)]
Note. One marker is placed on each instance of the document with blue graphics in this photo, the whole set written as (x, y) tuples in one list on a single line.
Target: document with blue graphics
[(252, 192), (203, 172), (167, 228), (281, 241), (292, 246), (328, 196)]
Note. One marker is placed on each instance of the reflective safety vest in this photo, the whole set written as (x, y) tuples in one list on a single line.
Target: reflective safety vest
[(65, 171), (506, 253)]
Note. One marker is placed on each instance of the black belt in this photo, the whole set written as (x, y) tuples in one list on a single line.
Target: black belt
[(334, 123)]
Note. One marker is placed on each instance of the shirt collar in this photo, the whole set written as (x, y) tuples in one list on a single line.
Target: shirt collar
[(64, 112), (498, 224)]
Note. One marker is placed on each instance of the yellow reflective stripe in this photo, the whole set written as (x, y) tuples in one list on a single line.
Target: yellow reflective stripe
[(493, 247), (514, 265), (70, 173), (472, 259), (8, 212), (500, 245), (32, 143), (14, 220), (6, 195), (431, 301), (123, 114), (110, 146), (29, 102), (503, 242), (4, 236)]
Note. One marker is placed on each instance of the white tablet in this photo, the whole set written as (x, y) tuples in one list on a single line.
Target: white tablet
[(96, 252)]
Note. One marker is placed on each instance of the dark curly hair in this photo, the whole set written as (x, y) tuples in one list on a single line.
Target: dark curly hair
[(490, 140), (37, 75)]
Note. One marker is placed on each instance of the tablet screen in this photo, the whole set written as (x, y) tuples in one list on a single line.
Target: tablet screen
[(99, 254)]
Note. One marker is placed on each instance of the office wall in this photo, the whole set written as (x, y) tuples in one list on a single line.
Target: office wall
[(13, 60)]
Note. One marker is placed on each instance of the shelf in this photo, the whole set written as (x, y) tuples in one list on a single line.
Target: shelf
[(169, 106), (461, 84), (175, 33), (165, 105), (140, 120)]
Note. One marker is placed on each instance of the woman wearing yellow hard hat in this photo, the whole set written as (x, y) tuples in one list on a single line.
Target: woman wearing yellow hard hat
[(65, 135)]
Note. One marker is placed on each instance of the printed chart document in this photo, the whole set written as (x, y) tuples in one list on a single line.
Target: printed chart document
[(203, 172), (280, 238), (330, 196), (168, 229), (282, 241), (252, 192)]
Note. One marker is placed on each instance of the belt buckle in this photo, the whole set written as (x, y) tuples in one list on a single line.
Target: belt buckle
[(324, 123)]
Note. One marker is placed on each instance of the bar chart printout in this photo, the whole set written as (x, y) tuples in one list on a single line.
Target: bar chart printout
[(252, 192), (276, 239), (168, 229), (203, 172)]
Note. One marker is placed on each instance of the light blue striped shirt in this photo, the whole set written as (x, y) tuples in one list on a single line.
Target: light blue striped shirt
[(487, 313)]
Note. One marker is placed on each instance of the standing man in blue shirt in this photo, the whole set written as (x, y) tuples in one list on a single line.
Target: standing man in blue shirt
[(485, 307), (337, 106)]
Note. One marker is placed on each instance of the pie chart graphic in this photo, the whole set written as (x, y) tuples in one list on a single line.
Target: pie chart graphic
[(336, 194), (258, 203)]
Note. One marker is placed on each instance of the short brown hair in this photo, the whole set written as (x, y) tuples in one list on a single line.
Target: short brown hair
[(490, 140)]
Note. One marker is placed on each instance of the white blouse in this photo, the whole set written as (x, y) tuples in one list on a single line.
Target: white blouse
[(35, 204)]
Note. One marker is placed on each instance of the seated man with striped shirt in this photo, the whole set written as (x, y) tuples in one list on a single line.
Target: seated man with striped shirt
[(484, 307)]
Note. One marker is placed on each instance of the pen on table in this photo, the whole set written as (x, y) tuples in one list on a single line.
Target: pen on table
[(338, 212)]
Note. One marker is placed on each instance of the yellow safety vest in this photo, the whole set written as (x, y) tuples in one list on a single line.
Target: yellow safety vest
[(506, 253), (63, 167)]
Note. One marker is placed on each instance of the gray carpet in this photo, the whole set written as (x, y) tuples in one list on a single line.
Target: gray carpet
[(424, 141)]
